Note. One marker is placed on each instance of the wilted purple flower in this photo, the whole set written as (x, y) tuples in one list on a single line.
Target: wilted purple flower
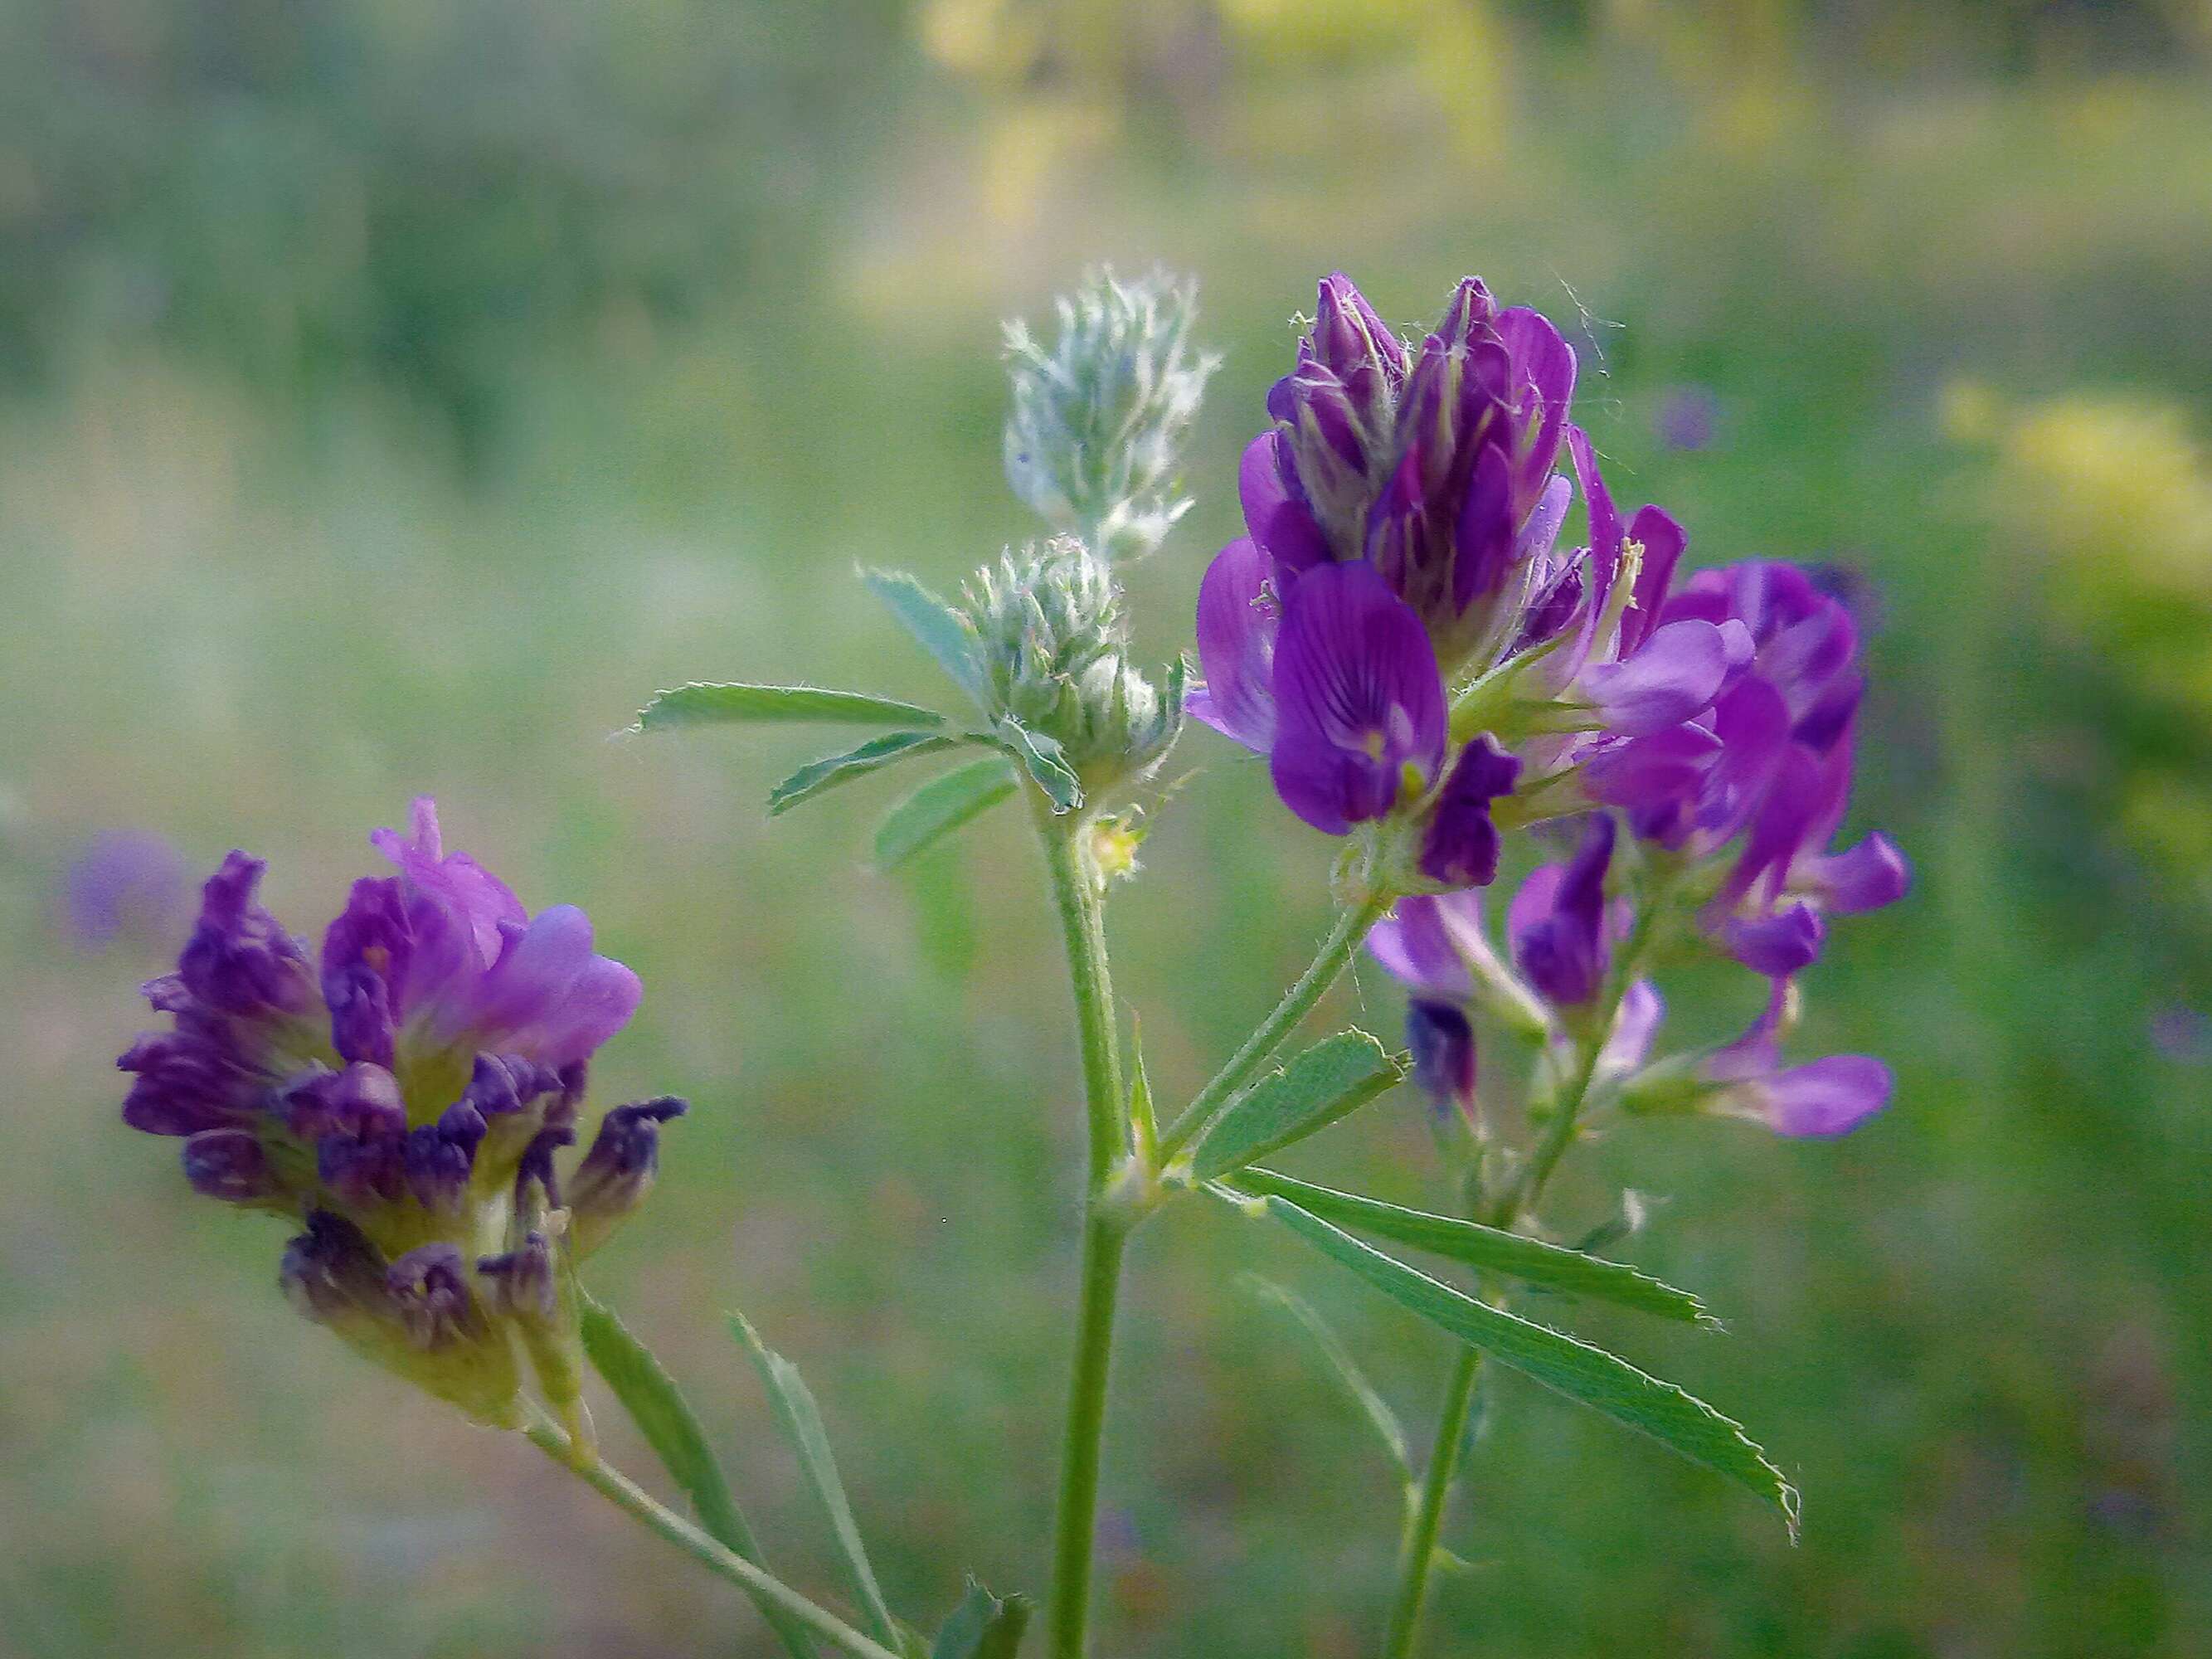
[(1435, 467), (124, 881), (619, 1171), (407, 1098)]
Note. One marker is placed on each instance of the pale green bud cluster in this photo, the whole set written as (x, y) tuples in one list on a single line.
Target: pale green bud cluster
[(1097, 421), (1053, 645)]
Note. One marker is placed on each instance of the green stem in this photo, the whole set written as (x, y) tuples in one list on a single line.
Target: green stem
[(1420, 1544), (1077, 896), (1075, 1521), (764, 1586), (1336, 951), (1075, 891)]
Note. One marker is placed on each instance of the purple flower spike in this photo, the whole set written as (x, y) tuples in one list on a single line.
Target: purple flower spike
[(1359, 703), (1461, 847), (1435, 466), (1558, 922), (410, 1101), (1442, 1044)]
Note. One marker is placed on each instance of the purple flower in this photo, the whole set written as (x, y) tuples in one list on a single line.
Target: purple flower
[(1559, 921), (1823, 1098), (407, 1099), (124, 882), (1435, 467), (1461, 846), (1767, 767), (1420, 943), (1687, 417)]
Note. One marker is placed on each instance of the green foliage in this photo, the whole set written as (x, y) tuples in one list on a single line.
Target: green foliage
[(946, 804), (943, 631), (1335, 1078), (983, 1626), (1041, 758), (831, 770), (664, 1417), (1488, 1249), (702, 704), (801, 1420), (1590, 1375), (1343, 1370)]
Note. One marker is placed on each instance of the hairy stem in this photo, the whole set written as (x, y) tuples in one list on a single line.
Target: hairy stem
[(1418, 1551), (762, 1586), (1078, 897), (1336, 952)]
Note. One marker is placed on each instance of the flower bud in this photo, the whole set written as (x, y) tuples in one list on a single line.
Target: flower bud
[(1098, 421), (1053, 645), (619, 1171)]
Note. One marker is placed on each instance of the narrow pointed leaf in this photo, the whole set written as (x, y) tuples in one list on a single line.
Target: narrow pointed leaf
[(802, 1425), (1143, 1122), (944, 633), (940, 806), (1045, 761), (1602, 1381), (983, 1626), (701, 704), (1491, 1249), (811, 779), (1344, 1368), (1336, 1076), (664, 1417)]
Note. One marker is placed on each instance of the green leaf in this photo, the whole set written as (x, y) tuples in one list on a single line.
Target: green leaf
[(802, 1425), (944, 632), (811, 779), (664, 1417), (701, 704), (940, 806), (1336, 1076), (1046, 761), (1600, 1380), (1143, 1122), (1343, 1367), (983, 1626), (1492, 1250)]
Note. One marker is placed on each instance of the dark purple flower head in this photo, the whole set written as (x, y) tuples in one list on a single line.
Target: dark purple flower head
[(1559, 924), (1435, 468), (410, 1101)]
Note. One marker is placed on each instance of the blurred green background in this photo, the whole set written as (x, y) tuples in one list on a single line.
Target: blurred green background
[(392, 392)]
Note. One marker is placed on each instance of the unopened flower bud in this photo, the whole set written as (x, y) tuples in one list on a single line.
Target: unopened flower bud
[(1054, 652), (619, 1171), (1097, 421)]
